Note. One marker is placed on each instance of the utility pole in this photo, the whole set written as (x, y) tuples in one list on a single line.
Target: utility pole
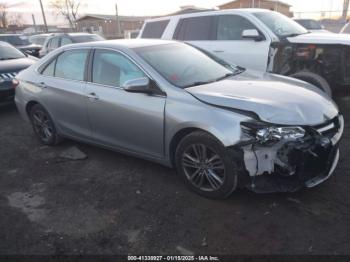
[(44, 18), (253, 3), (34, 23), (345, 10), (117, 20)]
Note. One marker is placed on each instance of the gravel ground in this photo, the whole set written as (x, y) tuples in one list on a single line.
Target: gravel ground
[(114, 204)]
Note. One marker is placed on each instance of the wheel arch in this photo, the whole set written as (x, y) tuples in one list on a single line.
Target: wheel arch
[(30, 105), (180, 134)]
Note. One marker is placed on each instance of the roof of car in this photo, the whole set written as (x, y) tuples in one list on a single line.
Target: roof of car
[(2, 43), (124, 43), (78, 34), (226, 11), (11, 35), (41, 35)]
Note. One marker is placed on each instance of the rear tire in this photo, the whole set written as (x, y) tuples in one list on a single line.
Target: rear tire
[(43, 126), (315, 80), (206, 166)]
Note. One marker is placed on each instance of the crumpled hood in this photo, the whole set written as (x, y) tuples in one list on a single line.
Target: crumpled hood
[(321, 38), (275, 99)]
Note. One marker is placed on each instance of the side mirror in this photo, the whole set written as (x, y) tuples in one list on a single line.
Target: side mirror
[(139, 85), (252, 34)]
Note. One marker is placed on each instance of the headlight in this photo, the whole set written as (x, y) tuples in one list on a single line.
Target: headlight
[(264, 134), (277, 133)]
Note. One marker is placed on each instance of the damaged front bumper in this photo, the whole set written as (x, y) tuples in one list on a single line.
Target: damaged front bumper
[(287, 165)]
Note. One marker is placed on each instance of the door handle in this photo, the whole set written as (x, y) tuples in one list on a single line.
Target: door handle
[(42, 85), (218, 51), (92, 96)]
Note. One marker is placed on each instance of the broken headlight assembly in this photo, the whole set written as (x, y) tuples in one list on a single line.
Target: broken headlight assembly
[(264, 133)]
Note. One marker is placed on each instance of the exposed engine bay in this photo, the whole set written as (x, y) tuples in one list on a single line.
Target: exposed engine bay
[(330, 61), (285, 159)]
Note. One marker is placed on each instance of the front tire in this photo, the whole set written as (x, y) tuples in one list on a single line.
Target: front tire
[(315, 80), (43, 126), (206, 165)]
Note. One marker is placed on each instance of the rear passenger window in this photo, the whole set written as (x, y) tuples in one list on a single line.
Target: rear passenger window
[(154, 29), (113, 69), (71, 64), (195, 28), (231, 27)]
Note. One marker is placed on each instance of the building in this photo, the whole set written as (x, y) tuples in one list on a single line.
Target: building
[(187, 9), (106, 25), (274, 5)]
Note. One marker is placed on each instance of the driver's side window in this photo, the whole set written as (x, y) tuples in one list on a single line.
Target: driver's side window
[(113, 69), (231, 27)]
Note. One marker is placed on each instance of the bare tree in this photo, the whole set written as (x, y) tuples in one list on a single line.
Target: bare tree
[(15, 19), (69, 9), (3, 15)]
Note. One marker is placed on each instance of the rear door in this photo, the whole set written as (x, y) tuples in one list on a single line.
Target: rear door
[(63, 92), (119, 119)]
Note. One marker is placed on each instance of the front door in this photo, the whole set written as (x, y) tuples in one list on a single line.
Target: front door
[(128, 121)]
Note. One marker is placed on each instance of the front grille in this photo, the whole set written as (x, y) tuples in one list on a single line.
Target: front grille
[(7, 76)]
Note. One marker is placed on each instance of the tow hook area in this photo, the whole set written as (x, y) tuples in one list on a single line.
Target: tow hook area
[(288, 165)]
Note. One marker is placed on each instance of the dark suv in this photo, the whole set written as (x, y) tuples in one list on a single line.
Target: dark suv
[(22, 43), (11, 62), (57, 40)]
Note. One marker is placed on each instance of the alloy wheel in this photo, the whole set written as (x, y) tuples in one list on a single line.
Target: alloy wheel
[(42, 125), (203, 167)]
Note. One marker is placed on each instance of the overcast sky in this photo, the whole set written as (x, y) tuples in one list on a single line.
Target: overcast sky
[(151, 7)]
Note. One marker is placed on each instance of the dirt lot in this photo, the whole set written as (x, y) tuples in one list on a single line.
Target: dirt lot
[(114, 204)]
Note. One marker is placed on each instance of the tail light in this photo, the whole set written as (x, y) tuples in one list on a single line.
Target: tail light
[(15, 83)]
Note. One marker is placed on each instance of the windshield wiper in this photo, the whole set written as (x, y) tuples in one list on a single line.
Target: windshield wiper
[(198, 83), (295, 34), (8, 58), (225, 76)]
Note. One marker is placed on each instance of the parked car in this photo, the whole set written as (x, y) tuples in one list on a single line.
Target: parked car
[(345, 29), (11, 62), (312, 25), (57, 40), (261, 40), (21, 42), (219, 125), (38, 39)]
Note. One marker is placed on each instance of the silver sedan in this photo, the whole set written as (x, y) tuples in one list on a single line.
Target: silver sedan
[(220, 125)]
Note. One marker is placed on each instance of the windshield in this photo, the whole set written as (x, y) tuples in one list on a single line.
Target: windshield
[(183, 65), (15, 40), (86, 38), (8, 52), (346, 29), (281, 25), (38, 40), (309, 24)]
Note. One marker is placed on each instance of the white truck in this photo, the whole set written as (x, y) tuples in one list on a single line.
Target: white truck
[(262, 40)]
